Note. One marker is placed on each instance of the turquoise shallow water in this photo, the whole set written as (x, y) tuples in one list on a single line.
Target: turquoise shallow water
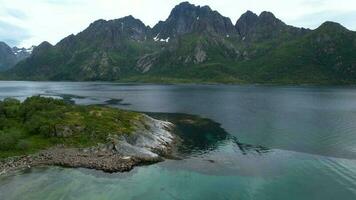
[(271, 143), (299, 177)]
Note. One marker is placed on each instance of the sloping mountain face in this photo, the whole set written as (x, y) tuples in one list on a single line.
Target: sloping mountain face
[(334, 49), (106, 50), (7, 57), (191, 35), (197, 44), (323, 56), (10, 56)]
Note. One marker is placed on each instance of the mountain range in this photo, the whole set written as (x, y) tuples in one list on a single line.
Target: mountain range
[(197, 44), (9, 57)]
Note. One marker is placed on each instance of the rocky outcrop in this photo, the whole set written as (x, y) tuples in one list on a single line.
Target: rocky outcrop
[(151, 142), (200, 55), (145, 63)]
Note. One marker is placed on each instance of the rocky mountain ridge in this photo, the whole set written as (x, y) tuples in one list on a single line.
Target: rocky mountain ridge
[(195, 43), (11, 56)]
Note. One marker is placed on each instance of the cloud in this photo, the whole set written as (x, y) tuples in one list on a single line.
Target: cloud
[(12, 34), (346, 18), (65, 2), (16, 14)]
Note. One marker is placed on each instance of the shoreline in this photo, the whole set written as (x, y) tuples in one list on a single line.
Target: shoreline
[(151, 142), (184, 82)]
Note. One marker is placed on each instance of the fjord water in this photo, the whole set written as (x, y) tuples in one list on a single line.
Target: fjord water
[(275, 142)]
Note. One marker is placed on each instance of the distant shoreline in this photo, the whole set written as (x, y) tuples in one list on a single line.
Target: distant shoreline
[(186, 82)]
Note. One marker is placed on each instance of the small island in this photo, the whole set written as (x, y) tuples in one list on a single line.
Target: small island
[(50, 132)]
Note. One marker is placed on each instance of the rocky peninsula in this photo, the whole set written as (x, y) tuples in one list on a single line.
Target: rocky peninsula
[(146, 141)]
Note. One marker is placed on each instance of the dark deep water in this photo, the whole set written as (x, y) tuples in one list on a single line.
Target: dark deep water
[(257, 142)]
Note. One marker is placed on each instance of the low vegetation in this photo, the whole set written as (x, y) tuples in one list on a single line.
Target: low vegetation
[(39, 123)]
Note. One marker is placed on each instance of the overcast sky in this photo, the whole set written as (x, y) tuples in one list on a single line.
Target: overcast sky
[(29, 22)]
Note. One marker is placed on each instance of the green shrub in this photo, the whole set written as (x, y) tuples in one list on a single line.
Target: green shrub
[(10, 108), (23, 145), (9, 139)]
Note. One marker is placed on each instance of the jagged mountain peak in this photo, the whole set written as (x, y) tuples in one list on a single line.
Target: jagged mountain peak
[(249, 14), (266, 26), (16, 51), (128, 20), (22, 53), (188, 18), (269, 18), (111, 33), (247, 20), (42, 48), (11, 56), (188, 7), (45, 44), (250, 19), (267, 14)]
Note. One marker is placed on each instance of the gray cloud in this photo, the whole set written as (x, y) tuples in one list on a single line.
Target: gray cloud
[(11, 34), (16, 13)]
